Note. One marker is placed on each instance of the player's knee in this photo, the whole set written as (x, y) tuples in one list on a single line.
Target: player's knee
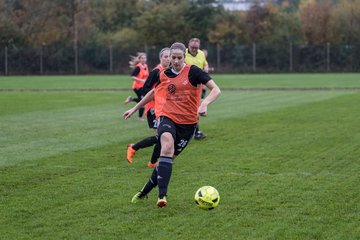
[(167, 144)]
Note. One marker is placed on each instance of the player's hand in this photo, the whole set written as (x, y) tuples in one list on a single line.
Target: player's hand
[(202, 110), (128, 113)]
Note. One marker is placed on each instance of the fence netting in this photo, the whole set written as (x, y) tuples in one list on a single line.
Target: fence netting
[(258, 58)]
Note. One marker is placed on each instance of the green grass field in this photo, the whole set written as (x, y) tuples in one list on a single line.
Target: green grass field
[(283, 151)]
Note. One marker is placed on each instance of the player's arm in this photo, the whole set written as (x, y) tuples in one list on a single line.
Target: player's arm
[(205, 69), (150, 81), (137, 79), (148, 97), (197, 76), (213, 95)]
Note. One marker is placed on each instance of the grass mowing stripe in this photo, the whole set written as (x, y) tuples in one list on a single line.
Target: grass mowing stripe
[(224, 80), (235, 104), (13, 103), (58, 82), (287, 80), (43, 133)]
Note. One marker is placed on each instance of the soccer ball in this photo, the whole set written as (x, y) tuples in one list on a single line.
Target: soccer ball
[(207, 197)]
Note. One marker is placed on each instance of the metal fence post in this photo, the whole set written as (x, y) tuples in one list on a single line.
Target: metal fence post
[(76, 60), (254, 57), (41, 60), (290, 57), (111, 58), (328, 57), (6, 61), (218, 60)]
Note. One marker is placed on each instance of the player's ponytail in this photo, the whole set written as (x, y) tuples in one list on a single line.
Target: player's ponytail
[(135, 59)]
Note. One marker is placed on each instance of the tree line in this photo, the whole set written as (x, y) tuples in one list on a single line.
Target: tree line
[(151, 24), (34, 23)]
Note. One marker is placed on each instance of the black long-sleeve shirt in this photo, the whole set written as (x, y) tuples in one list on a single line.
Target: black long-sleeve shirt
[(151, 81)]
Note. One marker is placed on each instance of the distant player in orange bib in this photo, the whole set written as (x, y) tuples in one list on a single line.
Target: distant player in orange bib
[(139, 76), (177, 108), (150, 83)]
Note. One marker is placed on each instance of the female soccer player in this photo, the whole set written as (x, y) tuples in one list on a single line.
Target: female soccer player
[(139, 76), (177, 107), (150, 112)]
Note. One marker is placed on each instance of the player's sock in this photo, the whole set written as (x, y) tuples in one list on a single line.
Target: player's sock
[(150, 184), (146, 142), (141, 112), (156, 153), (164, 173)]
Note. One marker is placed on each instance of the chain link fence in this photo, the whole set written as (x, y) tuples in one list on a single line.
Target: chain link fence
[(254, 58)]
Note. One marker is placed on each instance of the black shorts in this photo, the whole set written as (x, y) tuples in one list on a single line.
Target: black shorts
[(151, 119), (182, 133)]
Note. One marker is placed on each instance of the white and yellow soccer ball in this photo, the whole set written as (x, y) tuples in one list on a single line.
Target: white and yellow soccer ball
[(207, 197)]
